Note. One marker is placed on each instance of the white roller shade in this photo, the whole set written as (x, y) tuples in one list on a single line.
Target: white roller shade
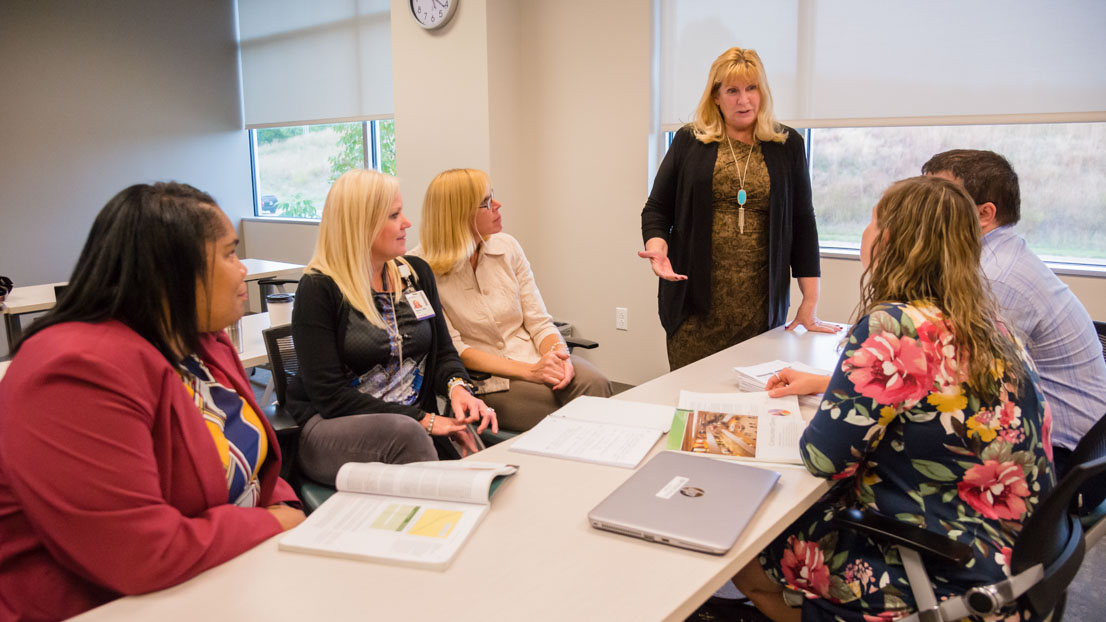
[(313, 61), (852, 62)]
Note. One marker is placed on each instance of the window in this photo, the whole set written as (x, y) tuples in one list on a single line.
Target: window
[(1063, 192), (293, 167), (1059, 166)]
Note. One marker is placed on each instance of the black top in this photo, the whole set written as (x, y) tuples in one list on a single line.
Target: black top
[(679, 210), (330, 359)]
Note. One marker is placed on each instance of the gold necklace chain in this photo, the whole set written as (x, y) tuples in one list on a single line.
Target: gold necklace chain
[(741, 192)]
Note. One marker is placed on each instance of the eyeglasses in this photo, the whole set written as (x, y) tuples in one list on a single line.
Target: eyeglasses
[(487, 204)]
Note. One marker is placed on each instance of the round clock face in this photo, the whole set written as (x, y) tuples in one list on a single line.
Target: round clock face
[(433, 13)]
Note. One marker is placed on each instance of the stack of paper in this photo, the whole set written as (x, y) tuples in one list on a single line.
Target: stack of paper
[(754, 377)]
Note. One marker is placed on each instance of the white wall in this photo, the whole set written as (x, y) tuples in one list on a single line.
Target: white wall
[(101, 95)]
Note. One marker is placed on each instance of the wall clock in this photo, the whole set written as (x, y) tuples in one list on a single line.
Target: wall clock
[(431, 14)]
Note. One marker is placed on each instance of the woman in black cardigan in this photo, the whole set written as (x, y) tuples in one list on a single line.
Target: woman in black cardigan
[(373, 347), (730, 219)]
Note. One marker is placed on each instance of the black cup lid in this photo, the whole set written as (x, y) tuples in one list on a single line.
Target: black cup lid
[(279, 298)]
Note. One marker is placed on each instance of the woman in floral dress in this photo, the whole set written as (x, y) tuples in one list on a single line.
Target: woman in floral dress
[(932, 417)]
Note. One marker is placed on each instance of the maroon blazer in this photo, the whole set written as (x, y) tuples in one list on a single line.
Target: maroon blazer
[(110, 483)]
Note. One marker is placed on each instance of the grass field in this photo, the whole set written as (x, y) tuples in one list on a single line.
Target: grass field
[(1060, 167)]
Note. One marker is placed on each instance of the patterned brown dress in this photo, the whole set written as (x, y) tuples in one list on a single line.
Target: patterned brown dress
[(739, 262)]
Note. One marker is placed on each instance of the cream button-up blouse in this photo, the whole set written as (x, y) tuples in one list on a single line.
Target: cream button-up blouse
[(497, 307)]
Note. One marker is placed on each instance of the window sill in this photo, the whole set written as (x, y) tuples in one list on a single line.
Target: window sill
[(280, 219), (1065, 268)]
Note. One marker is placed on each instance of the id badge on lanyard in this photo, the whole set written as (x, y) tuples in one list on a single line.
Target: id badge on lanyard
[(420, 304)]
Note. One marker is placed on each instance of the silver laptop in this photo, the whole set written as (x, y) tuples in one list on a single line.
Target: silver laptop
[(688, 501)]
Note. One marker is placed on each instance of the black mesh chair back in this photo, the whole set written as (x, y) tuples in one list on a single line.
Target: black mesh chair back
[(1100, 328), (1091, 447), (1054, 537), (282, 357)]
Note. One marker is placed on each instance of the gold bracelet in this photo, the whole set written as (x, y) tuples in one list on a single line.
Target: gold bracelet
[(430, 427)]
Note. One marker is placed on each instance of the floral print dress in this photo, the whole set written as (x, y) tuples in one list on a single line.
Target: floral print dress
[(909, 440)]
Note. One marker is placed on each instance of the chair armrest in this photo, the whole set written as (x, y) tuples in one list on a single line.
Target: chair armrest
[(275, 281), (904, 534), (576, 342), (477, 375)]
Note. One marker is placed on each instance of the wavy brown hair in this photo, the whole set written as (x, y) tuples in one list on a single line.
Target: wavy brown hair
[(926, 249)]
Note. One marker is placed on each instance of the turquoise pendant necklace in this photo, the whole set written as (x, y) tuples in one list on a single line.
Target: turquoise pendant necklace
[(741, 193)]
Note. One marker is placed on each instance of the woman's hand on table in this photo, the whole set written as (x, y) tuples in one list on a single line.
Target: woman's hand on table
[(791, 382), (805, 317), (287, 515), (467, 408)]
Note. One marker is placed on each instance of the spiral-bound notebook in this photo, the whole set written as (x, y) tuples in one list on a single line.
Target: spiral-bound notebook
[(693, 502)]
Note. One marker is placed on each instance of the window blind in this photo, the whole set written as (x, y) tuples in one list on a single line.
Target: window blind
[(881, 62), (305, 62)]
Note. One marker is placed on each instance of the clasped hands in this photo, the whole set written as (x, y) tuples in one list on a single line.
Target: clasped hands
[(554, 369)]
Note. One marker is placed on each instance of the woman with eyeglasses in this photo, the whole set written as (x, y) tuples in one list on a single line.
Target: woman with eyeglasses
[(497, 318)]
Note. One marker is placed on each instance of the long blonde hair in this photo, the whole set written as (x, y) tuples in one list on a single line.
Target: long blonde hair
[(356, 209), (448, 230), (926, 249), (745, 65)]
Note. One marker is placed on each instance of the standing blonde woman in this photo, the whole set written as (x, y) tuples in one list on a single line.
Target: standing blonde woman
[(373, 347), (498, 320), (730, 220), (933, 416)]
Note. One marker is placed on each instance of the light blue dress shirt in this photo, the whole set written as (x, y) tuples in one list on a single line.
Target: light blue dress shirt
[(1057, 331)]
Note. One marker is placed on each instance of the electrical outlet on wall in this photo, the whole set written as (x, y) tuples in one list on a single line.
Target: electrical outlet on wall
[(621, 318)]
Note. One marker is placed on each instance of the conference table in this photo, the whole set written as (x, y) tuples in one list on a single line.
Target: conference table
[(533, 558), (38, 298)]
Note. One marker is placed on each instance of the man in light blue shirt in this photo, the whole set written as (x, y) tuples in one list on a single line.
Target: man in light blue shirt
[(1048, 317)]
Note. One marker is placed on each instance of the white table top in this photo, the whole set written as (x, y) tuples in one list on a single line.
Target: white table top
[(253, 344), (32, 298), (3, 368), (534, 557), (263, 269)]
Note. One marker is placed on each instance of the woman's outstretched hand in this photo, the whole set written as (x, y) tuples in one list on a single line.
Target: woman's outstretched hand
[(656, 251)]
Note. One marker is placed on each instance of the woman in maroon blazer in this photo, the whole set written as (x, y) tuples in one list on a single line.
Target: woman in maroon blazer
[(132, 453)]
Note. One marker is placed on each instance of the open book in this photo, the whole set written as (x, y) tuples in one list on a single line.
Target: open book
[(600, 430), (416, 514), (753, 378), (743, 426)]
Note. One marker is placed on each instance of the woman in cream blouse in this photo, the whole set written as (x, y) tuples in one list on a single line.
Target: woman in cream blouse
[(495, 313)]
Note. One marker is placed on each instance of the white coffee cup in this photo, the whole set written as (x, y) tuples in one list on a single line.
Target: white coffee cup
[(280, 308)]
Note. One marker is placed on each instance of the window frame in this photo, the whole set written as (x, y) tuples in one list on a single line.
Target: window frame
[(371, 152)]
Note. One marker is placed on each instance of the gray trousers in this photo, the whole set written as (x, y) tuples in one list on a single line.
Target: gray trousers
[(526, 403), (327, 444)]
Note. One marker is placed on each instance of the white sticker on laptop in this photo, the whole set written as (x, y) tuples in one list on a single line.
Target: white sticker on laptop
[(672, 487)]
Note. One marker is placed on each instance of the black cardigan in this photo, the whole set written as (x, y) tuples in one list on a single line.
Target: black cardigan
[(319, 321), (679, 210)]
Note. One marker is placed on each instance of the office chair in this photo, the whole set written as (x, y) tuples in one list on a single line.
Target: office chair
[(1046, 555), (285, 365), (1090, 502), (1100, 328)]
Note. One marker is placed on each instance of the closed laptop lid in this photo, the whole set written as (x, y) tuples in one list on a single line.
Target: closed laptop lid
[(685, 500)]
